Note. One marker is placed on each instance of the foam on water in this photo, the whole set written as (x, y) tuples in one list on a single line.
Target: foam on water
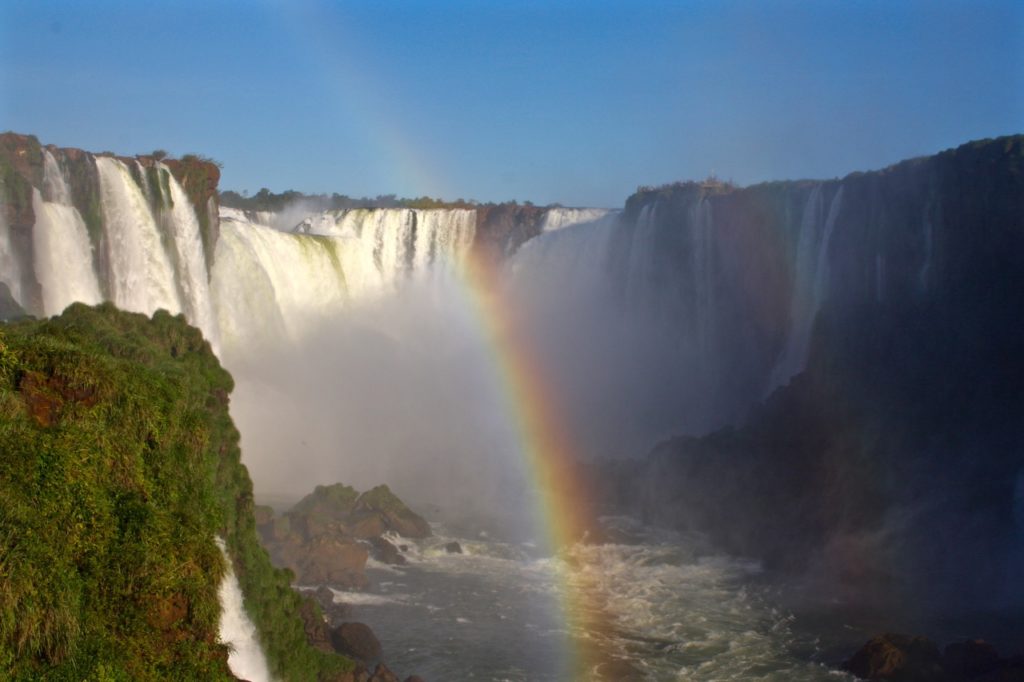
[(667, 611)]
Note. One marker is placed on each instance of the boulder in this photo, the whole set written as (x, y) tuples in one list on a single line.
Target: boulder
[(382, 674), (453, 548), (367, 525), (898, 657), (319, 538), (385, 552), (414, 678), (396, 515), (356, 640), (328, 560)]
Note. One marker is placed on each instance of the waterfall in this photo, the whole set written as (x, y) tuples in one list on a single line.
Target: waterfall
[(641, 257), (141, 277), (10, 265), (810, 283), (63, 256), (702, 265), (269, 286), (558, 218), (191, 271), (60, 241), (246, 659), (442, 236), (267, 283), (54, 186)]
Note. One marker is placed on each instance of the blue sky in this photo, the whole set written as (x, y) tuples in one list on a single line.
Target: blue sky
[(575, 102)]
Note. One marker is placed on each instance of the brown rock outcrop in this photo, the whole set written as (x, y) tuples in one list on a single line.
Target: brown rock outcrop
[(356, 640), (898, 657)]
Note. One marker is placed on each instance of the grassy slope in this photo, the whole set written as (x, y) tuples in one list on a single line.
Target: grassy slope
[(118, 466)]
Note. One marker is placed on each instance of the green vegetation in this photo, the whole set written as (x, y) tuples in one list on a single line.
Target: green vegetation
[(120, 465), (327, 500), (265, 200)]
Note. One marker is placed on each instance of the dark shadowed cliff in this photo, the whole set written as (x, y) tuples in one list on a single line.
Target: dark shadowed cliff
[(890, 468)]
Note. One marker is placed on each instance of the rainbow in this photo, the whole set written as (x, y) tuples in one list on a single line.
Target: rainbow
[(566, 512)]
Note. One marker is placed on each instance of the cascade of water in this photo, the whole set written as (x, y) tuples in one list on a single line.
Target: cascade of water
[(821, 275), (55, 189), (442, 236), (574, 261), (192, 274), (10, 264), (141, 274), (147, 191), (245, 659), (641, 257), (269, 285), (63, 256), (266, 218), (558, 218), (809, 283), (703, 273), (384, 245), (60, 243)]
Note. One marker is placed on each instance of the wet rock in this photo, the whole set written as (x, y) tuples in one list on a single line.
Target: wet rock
[(385, 552), (9, 308), (396, 516), (356, 640), (328, 560), (382, 674), (898, 657), (453, 548), (414, 678), (320, 538), (367, 526), (317, 632)]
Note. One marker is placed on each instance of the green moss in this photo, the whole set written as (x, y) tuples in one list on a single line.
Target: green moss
[(337, 499), (120, 466), (382, 499)]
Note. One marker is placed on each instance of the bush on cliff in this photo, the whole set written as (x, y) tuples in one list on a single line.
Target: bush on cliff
[(119, 465)]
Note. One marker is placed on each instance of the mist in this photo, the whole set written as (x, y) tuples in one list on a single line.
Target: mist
[(399, 390)]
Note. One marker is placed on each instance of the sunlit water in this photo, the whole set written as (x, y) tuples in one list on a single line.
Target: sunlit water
[(661, 611)]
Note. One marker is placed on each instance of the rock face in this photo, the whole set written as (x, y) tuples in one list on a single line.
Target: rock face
[(901, 436), (356, 640), (9, 308), (385, 552), (24, 178), (898, 657), (326, 537), (905, 658)]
